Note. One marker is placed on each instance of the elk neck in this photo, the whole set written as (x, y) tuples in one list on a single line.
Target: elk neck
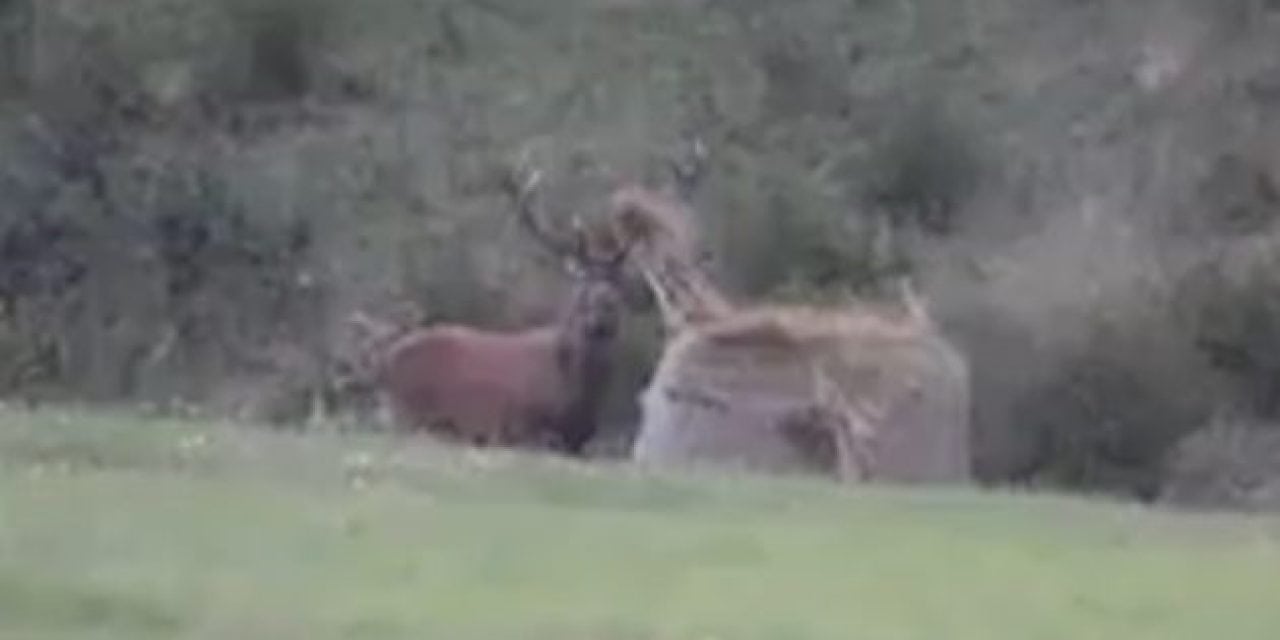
[(584, 340), (588, 325)]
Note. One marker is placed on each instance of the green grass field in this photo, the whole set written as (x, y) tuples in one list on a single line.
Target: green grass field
[(112, 527)]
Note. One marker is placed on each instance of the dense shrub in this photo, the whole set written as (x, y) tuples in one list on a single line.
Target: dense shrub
[(1225, 465), (777, 239), (192, 194), (925, 167), (1233, 302), (1108, 414), (15, 45)]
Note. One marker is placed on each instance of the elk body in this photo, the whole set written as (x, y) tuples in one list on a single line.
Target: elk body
[(540, 387), (858, 391)]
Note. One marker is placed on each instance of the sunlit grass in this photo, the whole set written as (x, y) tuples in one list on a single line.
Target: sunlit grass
[(112, 527)]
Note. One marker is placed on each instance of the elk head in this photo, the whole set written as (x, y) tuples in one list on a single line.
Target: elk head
[(593, 257)]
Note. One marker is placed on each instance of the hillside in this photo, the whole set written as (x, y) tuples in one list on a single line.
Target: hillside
[(117, 528), (192, 193)]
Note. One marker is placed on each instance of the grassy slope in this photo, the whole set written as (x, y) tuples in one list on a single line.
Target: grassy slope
[(119, 528)]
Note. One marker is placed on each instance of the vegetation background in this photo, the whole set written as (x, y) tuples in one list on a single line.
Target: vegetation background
[(193, 192)]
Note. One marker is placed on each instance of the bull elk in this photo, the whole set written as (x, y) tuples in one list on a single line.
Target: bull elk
[(540, 387)]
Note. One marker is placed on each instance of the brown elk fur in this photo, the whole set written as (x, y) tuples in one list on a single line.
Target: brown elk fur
[(539, 387)]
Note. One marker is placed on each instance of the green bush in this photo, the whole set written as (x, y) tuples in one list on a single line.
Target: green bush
[(15, 46), (925, 168), (1109, 402), (192, 194), (277, 48), (1231, 302), (1225, 465)]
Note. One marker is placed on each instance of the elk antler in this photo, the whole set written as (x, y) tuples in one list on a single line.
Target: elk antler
[(687, 173), (521, 185)]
